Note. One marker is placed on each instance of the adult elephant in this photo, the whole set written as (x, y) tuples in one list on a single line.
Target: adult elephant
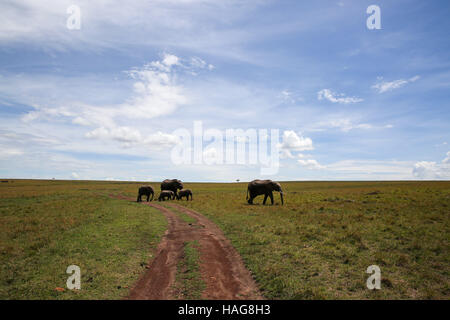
[(265, 187), (172, 185), (145, 191)]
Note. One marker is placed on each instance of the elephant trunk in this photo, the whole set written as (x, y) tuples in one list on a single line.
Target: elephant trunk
[(281, 195)]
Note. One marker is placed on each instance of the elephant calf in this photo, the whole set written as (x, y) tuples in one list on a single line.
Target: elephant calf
[(265, 187), (166, 194), (184, 193), (145, 191)]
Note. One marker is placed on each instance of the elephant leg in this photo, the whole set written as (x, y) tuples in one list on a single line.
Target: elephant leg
[(250, 200), (148, 197), (271, 197), (265, 198)]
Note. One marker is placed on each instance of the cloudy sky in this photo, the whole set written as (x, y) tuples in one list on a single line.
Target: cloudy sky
[(103, 101)]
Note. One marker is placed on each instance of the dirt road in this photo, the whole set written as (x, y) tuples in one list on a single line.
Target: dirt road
[(221, 266)]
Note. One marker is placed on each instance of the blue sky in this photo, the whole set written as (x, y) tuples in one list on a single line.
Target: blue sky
[(102, 102)]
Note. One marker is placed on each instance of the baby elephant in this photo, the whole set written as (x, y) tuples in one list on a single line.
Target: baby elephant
[(184, 193), (145, 191), (166, 194)]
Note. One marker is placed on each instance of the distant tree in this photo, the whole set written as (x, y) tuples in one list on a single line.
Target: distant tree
[(237, 180)]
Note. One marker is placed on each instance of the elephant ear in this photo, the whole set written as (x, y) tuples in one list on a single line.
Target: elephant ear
[(276, 185)]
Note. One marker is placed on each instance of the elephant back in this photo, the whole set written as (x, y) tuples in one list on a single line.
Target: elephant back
[(146, 189), (171, 184)]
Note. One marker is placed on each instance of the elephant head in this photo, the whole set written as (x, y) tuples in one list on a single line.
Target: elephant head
[(178, 184), (277, 187)]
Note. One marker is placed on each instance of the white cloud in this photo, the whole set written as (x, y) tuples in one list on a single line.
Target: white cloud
[(371, 169), (346, 125), (384, 86), (198, 63), (293, 142), (425, 170), (432, 170), (159, 23), (74, 176), (447, 159), (129, 136), (161, 140), (170, 60), (10, 152), (286, 154), (310, 164), (121, 134), (331, 96), (287, 96), (155, 93)]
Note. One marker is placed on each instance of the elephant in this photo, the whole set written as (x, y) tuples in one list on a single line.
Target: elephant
[(169, 194), (145, 191), (184, 193), (172, 184), (265, 187)]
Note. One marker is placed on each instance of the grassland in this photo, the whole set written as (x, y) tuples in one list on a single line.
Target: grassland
[(320, 243), (316, 246), (45, 226)]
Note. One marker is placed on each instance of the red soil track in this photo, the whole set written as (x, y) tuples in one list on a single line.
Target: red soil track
[(221, 266)]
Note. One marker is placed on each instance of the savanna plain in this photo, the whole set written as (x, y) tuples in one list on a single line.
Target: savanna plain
[(317, 245)]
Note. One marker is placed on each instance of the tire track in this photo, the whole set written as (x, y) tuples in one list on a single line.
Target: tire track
[(221, 266)]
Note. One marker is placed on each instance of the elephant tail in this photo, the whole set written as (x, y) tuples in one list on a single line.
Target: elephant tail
[(152, 197)]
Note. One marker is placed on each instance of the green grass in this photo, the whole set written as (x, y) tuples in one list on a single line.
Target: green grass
[(320, 243), (183, 216), (47, 226), (188, 284), (317, 246)]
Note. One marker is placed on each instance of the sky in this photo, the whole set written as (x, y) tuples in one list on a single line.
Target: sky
[(96, 90)]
